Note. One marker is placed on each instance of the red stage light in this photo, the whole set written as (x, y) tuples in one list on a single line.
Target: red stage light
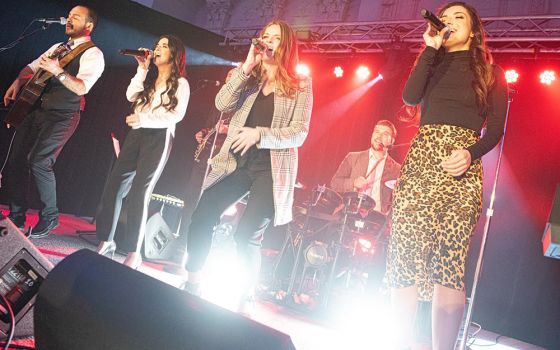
[(512, 76), (338, 72), (363, 72), (303, 69), (548, 77)]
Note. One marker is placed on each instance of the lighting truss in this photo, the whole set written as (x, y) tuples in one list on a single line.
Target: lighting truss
[(514, 34)]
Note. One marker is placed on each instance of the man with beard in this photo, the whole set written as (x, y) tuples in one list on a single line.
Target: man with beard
[(367, 172), (52, 120)]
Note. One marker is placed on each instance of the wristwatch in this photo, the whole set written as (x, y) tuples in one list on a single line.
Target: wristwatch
[(61, 76)]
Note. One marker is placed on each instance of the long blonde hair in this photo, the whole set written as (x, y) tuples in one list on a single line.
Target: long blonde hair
[(287, 57)]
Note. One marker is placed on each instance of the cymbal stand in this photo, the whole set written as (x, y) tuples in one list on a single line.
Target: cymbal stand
[(351, 267), (299, 238), (289, 242), (338, 245)]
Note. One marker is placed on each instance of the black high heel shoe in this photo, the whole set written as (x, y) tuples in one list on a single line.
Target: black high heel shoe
[(108, 250)]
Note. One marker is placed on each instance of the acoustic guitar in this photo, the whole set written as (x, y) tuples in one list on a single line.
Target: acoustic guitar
[(32, 91)]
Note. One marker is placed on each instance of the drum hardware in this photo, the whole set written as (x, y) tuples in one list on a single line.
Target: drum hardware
[(317, 254), (358, 210), (317, 258), (337, 245), (320, 191), (313, 217), (358, 203)]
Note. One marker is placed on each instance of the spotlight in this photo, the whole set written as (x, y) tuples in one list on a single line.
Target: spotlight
[(363, 72), (511, 76), (547, 77), (303, 69), (338, 72)]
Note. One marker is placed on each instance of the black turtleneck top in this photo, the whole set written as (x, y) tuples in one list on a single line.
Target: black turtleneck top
[(446, 95)]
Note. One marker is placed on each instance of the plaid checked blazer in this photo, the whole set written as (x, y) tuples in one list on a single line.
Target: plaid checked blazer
[(290, 125)]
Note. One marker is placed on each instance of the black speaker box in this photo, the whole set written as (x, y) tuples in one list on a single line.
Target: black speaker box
[(22, 270), (91, 302), (158, 239), (161, 226)]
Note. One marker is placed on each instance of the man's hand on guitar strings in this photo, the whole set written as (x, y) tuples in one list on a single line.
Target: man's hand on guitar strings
[(51, 65)]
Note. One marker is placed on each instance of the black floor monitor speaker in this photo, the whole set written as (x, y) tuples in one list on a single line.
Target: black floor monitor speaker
[(22, 270), (159, 238), (92, 302), (162, 225)]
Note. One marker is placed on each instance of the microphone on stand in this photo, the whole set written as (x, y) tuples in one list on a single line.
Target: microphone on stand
[(137, 53), (60, 20)]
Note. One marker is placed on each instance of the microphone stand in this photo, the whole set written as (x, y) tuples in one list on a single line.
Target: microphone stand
[(23, 35), (489, 214)]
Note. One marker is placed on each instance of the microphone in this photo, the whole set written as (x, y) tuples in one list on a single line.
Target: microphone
[(433, 19), (137, 53), (261, 47), (400, 144), (60, 20), (209, 82)]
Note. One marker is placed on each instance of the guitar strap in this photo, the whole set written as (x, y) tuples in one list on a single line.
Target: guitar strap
[(67, 59)]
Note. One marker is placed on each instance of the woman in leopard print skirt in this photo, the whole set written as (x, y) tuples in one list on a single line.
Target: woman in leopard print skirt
[(438, 196)]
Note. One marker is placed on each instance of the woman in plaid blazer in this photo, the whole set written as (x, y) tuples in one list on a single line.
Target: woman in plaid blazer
[(272, 109)]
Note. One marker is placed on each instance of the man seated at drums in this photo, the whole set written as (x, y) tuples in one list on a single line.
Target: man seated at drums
[(368, 171), (368, 176)]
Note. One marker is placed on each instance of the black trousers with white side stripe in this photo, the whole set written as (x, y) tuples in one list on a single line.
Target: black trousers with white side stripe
[(134, 176)]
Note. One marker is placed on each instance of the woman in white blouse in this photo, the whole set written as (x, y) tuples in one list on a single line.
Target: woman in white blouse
[(159, 94)]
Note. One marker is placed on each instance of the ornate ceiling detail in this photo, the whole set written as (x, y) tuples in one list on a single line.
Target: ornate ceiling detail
[(333, 10), (218, 13)]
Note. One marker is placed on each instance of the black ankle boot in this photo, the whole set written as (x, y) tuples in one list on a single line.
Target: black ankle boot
[(44, 226)]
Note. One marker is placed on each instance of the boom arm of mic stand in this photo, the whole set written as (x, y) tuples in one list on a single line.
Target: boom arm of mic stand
[(23, 35), (489, 214)]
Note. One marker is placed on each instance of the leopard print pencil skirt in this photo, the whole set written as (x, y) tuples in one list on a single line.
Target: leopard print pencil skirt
[(434, 214)]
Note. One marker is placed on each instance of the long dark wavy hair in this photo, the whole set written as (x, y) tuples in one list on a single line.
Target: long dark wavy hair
[(287, 57), (178, 68), (481, 62)]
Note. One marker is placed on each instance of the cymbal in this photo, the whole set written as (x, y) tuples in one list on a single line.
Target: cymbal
[(391, 184), (315, 213), (299, 185)]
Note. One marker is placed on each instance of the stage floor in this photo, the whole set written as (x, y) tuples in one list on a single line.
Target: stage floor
[(348, 323)]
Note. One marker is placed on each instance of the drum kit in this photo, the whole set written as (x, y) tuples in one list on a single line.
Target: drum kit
[(328, 228)]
